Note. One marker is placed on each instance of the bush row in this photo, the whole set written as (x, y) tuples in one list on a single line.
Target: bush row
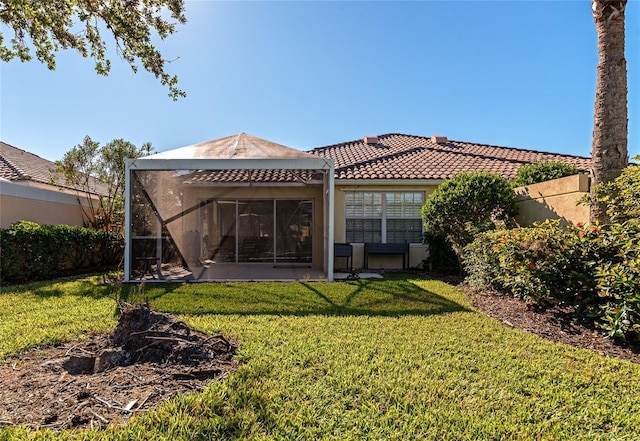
[(594, 267), (30, 251)]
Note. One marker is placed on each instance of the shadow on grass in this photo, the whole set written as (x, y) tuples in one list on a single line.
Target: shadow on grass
[(396, 296), (393, 296), (83, 286)]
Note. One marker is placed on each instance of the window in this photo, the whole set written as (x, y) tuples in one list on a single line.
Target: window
[(364, 216), (389, 217)]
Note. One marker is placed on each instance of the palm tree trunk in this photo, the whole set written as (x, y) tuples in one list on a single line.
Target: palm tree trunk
[(609, 148)]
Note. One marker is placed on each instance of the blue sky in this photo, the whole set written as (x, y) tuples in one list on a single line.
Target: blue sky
[(308, 74)]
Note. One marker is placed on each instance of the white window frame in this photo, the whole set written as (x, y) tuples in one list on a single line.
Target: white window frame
[(383, 210)]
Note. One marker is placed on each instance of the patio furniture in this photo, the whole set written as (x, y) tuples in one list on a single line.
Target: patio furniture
[(386, 248), (344, 250), (145, 267)]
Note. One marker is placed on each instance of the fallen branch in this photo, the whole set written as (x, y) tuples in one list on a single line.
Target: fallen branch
[(176, 339), (100, 417), (81, 350), (144, 401), (100, 400)]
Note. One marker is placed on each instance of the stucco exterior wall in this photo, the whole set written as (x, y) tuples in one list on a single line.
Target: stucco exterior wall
[(555, 199), (417, 252), (25, 202)]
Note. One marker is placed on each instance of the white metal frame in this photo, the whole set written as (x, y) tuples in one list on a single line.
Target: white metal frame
[(169, 164)]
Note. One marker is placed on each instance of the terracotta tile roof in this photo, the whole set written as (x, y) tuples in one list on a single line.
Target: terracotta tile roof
[(201, 177), (398, 156), (19, 165)]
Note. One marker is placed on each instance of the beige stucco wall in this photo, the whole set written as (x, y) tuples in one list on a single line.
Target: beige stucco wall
[(36, 204), (417, 252), (555, 199)]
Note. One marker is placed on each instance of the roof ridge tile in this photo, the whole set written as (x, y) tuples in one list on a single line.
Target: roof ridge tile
[(356, 160)]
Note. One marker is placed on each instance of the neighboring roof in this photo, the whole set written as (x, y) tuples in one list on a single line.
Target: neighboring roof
[(241, 146), (19, 165), (403, 157)]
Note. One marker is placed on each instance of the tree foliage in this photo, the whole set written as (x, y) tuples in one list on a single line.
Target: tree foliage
[(543, 171), (468, 204), (51, 25), (100, 171)]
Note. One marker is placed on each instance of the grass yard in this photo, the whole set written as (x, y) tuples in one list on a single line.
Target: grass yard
[(398, 358)]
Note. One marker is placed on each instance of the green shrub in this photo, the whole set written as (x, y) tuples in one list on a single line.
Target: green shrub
[(481, 264), (543, 171), (531, 263), (622, 195), (468, 204), (442, 259), (596, 268), (39, 252), (618, 281)]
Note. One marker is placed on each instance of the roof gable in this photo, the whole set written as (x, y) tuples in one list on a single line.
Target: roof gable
[(409, 157), (241, 146)]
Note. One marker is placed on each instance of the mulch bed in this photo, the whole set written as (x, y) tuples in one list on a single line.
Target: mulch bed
[(148, 358), (554, 322)]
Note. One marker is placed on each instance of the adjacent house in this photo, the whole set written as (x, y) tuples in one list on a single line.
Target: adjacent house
[(28, 191), (244, 208)]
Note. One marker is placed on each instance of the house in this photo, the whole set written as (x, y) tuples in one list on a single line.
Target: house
[(28, 191), (381, 182), (242, 207)]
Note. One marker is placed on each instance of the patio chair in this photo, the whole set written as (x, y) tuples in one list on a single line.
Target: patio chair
[(210, 249)]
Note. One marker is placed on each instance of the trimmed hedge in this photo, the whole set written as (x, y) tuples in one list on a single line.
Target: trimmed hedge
[(596, 267), (30, 251), (542, 171)]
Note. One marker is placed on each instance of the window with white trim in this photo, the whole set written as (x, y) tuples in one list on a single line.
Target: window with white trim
[(389, 217)]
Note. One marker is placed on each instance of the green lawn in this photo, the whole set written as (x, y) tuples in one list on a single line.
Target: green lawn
[(398, 358)]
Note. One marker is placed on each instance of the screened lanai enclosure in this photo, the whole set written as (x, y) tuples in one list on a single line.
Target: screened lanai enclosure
[(237, 208)]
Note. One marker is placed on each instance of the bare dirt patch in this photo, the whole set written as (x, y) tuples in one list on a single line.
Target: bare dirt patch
[(149, 357)]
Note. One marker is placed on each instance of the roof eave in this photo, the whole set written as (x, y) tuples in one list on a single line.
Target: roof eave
[(388, 182), (312, 163)]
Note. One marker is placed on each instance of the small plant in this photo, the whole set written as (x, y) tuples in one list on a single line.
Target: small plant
[(354, 274)]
